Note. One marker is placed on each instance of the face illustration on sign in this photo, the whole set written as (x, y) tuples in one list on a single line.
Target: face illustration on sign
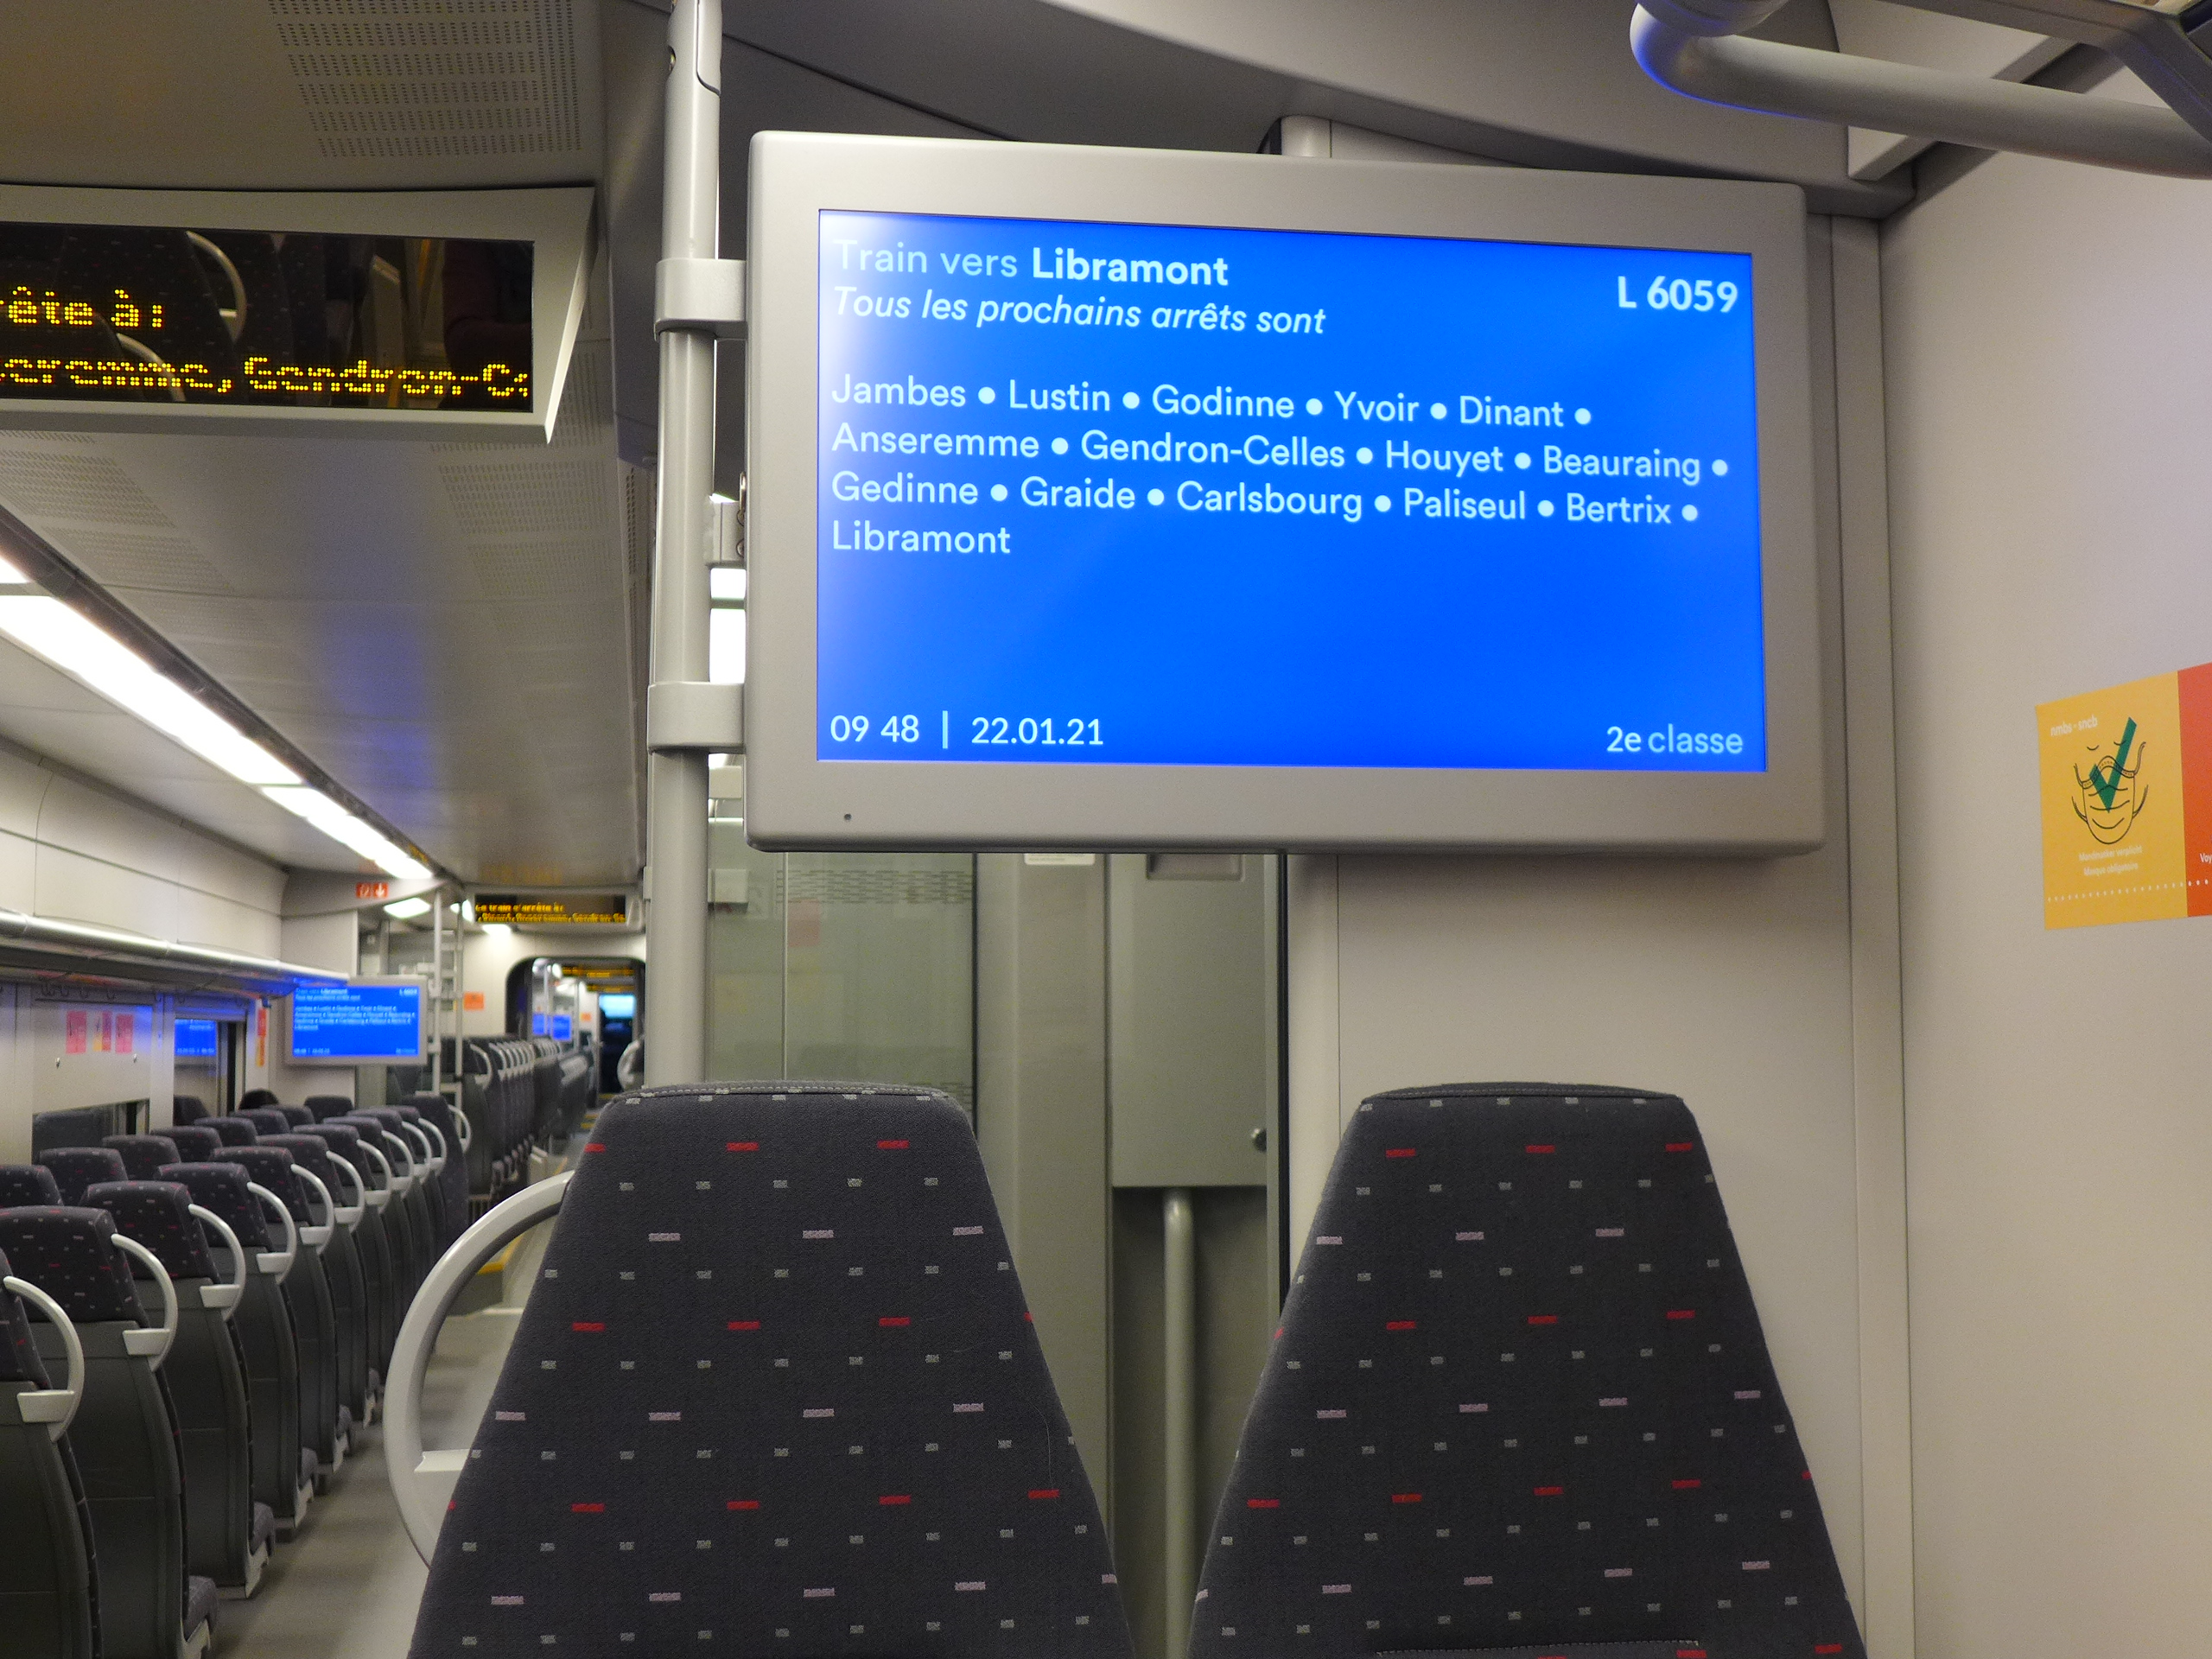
[(2110, 791)]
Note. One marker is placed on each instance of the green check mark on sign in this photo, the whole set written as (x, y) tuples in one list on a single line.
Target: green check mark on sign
[(2105, 780)]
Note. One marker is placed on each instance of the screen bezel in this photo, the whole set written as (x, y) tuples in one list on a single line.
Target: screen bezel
[(354, 982), (794, 799), (555, 222)]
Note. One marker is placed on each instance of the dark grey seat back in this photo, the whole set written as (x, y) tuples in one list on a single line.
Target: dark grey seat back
[(1521, 1401), (45, 1571), (123, 1437), (776, 1381), (306, 1296)]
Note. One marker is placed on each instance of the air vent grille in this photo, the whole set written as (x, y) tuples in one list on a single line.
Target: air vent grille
[(384, 78), (39, 484)]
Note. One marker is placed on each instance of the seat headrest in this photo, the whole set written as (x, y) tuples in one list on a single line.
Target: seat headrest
[(76, 1169), (407, 1112), (387, 1115), (1520, 1325), (373, 1131), (811, 1281), (235, 1130), (157, 1214), (143, 1155), (69, 1253), (268, 1120), (221, 1188), (309, 1152), (196, 1143), (186, 1108), (28, 1184), (19, 1360), (297, 1117), (271, 1166), (254, 1098), (325, 1107), (345, 1142)]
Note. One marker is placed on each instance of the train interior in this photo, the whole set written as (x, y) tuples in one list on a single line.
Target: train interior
[(559, 1097)]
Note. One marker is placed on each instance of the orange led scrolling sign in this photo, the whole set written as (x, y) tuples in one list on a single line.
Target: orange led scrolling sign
[(305, 319)]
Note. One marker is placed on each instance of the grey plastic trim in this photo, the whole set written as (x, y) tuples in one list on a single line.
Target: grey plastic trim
[(374, 1199), (466, 1129), (403, 1180), (108, 944), (278, 1261), (319, 1236), (687, 715), (224, 1297), (152, 1344), (55, 1408), (422, 1502), (1816, 85), (349, 1216), (703, 296)]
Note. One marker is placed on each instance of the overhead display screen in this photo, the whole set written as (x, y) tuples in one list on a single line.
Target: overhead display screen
[(195, 1040), (359, 1023), (550, 909), (171, 314), (1097, 493)]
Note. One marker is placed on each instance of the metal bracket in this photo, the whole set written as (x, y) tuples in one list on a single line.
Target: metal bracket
[(694, 714), (701, 296)]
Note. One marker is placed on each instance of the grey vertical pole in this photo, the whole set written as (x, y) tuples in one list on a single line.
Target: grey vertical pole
[(437, 986), (1182, 1397), (676, 920)]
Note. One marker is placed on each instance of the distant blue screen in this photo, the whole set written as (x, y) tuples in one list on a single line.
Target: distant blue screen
[(564, 1027), (1155, 494), (537, 1026), (368, 1022), (195, 1040), (618, 1005)]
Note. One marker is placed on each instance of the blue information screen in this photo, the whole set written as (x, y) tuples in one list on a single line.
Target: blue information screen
[(367, 1022), (1165, 495), (195, 1040)]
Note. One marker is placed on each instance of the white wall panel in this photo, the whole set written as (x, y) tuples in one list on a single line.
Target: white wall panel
[(2048, 406)]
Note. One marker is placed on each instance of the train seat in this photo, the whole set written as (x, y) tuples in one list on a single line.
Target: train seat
[(283, 1467), (323, 1108), (427, 1141), (235, 1130), (205, 1379), (76, 1169), (372, 1247), (143, 1155), (341, 1270), (268, 1120), (296, 1117), (46, 1557), (186, 1108), (1521, 1396), (307, 1295), (777, 1389), (123, 1436), (407, 1225), (453, 1176), (28, 1184), (196, 1143)]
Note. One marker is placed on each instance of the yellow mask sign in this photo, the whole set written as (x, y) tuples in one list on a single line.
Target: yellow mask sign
[(2124, 790)]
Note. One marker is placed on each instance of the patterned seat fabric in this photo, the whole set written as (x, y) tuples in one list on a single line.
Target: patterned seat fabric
[(312, 1154), (69, 1253), (21, 1184), (143, 1155), (1521, 1395), (195, 1144), (19, 1360), (271, 1166), (234, 1130), (268, 1120), (221, 1188), (775, 1390), (453, 1180), (157, 1214), (297, 1117), (323, 1108), (76, 1169)]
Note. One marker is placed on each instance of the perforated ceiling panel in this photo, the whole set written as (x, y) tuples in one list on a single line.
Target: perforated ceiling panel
[(434, 78)]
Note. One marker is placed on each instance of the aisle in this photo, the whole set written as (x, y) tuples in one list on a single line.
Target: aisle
[(348, 1585)]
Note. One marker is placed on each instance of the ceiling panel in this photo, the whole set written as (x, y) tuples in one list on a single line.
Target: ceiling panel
[(443, 627)]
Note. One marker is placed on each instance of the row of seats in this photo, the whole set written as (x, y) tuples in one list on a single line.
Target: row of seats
[(520, 1093), (777, 1391), (283, 1245)]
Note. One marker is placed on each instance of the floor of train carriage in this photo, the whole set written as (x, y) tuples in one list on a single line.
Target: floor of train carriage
[(348, 1585)]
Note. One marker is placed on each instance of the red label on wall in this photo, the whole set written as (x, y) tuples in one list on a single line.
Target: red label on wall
[(73, 1022), (372, 889)]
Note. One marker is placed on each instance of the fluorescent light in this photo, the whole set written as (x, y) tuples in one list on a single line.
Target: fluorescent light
[(11, 572), (342, 827), (499, 929), (726, 581), (80, 649), (408, 909)]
